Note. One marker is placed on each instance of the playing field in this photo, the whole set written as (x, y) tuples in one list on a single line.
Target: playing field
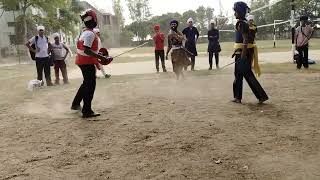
[(153, 127), (265, 46)]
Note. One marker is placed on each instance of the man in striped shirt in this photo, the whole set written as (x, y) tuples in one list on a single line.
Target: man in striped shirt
[(302, 36)]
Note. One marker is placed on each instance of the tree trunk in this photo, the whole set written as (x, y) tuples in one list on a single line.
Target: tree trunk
[(24, 13), (25, 28)]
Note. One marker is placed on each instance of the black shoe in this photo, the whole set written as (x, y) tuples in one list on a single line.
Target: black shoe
[(107, 76), (164, 70), (50, 84), (261, 101), (210, 68), (238, 101), (76, 108), (90, 115)]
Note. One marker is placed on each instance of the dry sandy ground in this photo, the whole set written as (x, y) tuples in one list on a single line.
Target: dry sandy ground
[(153, 127)]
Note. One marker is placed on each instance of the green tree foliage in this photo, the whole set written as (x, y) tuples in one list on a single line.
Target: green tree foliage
[(209, 14), (282, 11), (140, 14), (139, 10), (186, 15), (201, 20), (165, 19), (46, 15)]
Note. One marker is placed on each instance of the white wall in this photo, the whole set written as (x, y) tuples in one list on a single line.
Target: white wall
[(5, 31)]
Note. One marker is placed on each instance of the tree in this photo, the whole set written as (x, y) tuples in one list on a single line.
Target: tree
[(47, 15), (68, 17), (201, 19), (165, 19), (118, 11), (139, 10), (209, 14), (188, 14), (140, 14), (126, 37), (24, 5), (263, 16), (221, 21), (141, 29), (309, 8)]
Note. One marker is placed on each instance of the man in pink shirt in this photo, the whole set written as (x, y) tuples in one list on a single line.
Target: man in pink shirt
[(302, 37)]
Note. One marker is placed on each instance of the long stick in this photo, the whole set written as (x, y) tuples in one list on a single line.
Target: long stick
[(227, 65), (233, 63), (130, 50)]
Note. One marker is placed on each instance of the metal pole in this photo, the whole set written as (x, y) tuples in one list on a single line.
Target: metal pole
[(292, 28), (274, 31), (274, 34)]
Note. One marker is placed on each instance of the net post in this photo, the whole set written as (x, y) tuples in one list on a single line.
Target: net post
[(274, 34), (292, 27)]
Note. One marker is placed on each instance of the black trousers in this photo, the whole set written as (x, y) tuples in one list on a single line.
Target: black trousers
[(159, 55), (43, 65), (216, 55), (243, 70), (303, 56), (87, 88)]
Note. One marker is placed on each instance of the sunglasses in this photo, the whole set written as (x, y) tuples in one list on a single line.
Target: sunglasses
[(41, 30)]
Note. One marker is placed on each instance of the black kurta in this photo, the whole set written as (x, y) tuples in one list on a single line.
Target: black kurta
[(192, 35), (213, 37)]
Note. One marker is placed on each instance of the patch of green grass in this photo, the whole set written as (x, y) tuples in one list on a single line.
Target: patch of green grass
[(288, 68), (227, 47)]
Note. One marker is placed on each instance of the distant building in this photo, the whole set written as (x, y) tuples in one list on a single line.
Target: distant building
[(108, 25), (7, 33)]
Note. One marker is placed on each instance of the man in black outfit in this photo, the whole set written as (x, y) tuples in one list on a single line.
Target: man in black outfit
[(243, 57), (214, 45), (192, 35)]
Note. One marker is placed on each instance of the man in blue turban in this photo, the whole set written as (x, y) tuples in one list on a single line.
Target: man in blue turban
[(179, 57)]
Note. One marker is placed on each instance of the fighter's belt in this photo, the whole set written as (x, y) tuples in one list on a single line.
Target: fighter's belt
[(184, 49), (239, 46)]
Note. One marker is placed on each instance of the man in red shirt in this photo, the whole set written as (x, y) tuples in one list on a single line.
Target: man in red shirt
[(158, 39)]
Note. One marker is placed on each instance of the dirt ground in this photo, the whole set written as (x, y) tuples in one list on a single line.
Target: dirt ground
[(153, 127)]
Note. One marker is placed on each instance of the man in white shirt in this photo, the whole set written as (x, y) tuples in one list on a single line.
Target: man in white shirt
[(302, 36), (59, 52), (41, 51)]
